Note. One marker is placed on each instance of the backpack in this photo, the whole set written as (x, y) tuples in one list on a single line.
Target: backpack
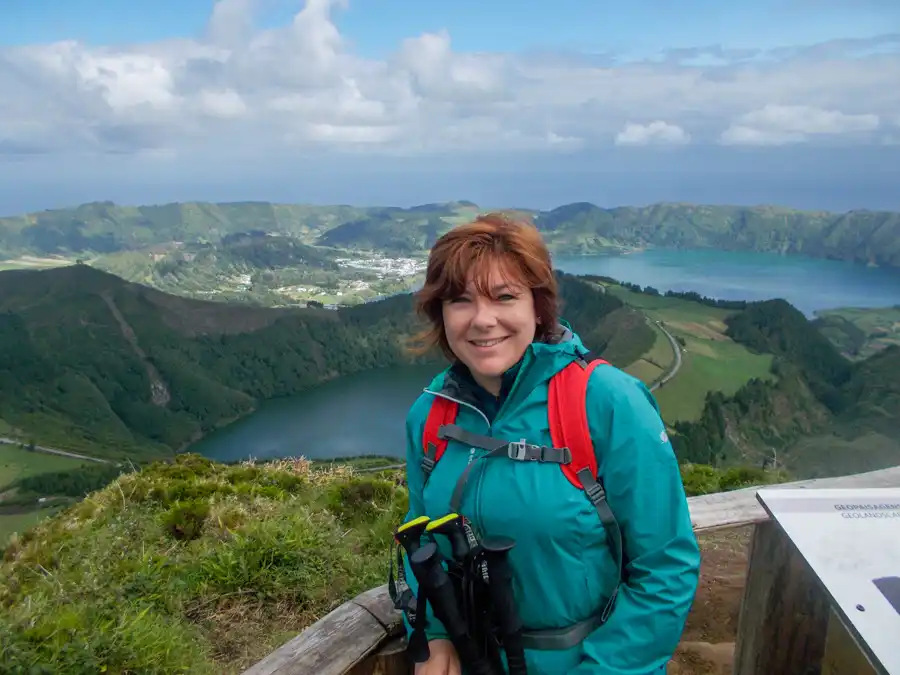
[(573, 450)]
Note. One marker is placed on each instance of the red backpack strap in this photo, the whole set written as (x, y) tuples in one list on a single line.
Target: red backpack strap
[(568, 418), (567, 412), (442, 411)]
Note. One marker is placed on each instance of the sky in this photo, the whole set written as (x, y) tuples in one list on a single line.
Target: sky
[(508, 103)]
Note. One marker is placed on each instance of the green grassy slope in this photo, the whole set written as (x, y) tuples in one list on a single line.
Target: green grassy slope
[(819, 415), (197, 567)]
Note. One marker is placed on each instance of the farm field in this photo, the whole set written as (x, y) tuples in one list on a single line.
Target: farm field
[(16, 463), (711, 360)]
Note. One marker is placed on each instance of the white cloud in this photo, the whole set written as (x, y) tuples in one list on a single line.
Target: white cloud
[(783, 124), (300, 87), (657, 132)]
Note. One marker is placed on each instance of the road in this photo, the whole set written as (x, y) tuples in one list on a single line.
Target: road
[(53, 451), (676, 349)]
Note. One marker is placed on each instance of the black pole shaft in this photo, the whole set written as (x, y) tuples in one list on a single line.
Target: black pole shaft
[(496, 554)]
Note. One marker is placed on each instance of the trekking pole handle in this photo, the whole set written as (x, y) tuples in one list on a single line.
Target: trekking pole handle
[(408, 535), (426, 564), (451, 526)]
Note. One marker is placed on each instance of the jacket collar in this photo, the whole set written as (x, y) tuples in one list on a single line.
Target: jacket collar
[(540, 362)]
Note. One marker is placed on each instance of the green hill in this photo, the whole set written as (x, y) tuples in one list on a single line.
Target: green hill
[(861, 236), (820, 415), (859, 332), (89, 361), (105, 228)]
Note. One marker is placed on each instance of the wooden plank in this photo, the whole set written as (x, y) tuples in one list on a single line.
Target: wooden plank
[(740, 507), (378, 603), (332, 646), (784, 612)]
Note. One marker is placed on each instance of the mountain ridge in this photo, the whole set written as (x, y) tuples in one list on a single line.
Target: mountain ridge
[(865, 236)]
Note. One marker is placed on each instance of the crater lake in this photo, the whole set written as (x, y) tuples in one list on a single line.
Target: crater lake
[(364, 414)]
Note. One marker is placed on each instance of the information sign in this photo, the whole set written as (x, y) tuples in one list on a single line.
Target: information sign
[(851, 540)]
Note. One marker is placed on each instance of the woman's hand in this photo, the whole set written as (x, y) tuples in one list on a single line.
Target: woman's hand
[(442, 661)]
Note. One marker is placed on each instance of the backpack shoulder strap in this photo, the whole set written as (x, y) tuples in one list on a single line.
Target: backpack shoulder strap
[(441, 412), (569, 428), (568, 419)]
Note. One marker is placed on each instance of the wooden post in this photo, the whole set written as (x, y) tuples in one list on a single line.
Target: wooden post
[(784, 611), (391, 659)]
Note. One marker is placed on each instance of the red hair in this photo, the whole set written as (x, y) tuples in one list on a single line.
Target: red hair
[(470, 249)]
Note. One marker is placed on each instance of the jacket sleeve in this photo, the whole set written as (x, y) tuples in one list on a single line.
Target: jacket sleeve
[(415, 480), (645, 492)]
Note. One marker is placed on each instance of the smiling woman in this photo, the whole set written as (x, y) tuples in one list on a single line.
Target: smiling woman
[(492, 292), (601, 579)]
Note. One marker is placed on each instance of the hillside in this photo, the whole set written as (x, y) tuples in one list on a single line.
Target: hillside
[(105, 228), (820, 415), (90, 361), (859, 332)]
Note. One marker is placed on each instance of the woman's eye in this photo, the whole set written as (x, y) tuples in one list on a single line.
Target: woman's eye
[(507, 296)]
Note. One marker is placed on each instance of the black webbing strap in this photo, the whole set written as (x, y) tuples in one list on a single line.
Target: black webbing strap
[(565, 638)]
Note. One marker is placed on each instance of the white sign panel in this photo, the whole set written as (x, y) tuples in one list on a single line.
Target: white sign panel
[(851, 540)]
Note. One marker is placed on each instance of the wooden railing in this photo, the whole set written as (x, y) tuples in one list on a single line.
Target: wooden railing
[(782, 629)]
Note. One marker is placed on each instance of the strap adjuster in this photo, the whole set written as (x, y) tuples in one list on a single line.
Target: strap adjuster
[(595, 493), (427, 464), (518, 450)]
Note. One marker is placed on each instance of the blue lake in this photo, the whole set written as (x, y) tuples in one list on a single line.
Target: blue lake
[(807, 283)]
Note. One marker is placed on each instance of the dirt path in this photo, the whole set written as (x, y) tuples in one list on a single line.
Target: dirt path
[(707, 645)]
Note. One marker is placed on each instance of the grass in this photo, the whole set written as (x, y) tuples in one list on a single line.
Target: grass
[(19, 523), (711, 361), (880, 325), (656, 362), (16, 463), (200, 567), (192, 567)]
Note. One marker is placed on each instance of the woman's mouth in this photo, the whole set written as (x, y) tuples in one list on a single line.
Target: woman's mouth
[(486, 344)]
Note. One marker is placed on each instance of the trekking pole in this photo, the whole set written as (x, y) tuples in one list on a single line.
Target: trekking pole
[(451, 526), (409, 536), (496, 553), (426, 564), (464, 545)]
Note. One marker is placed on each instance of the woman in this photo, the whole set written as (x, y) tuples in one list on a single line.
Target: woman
[(491, 299)]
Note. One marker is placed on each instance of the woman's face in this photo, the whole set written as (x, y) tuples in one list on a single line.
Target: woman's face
[(490, 333)]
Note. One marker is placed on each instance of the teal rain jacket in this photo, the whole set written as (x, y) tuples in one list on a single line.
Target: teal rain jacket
[(563, 568)]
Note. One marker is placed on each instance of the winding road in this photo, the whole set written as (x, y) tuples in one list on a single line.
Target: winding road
[(676, 349), (52, 451)]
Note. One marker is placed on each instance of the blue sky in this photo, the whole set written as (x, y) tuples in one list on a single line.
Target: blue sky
[(393, 101)]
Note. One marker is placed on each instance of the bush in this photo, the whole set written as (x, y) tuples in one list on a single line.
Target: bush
[(185, 521)]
